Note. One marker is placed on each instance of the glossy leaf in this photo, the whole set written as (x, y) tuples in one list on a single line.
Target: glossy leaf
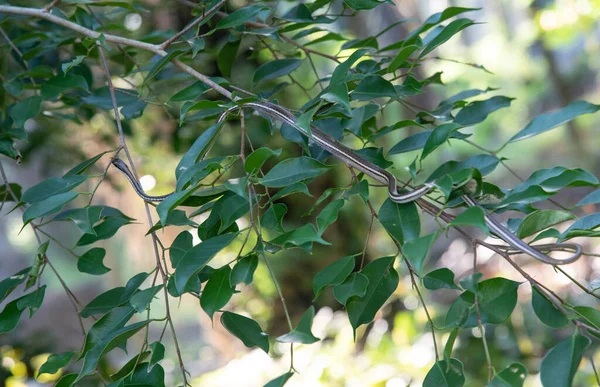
[(243, 271), (142, 299), (59, 84), (25, 109), (546, 311), (561, 362), (217, 292), (401, 221), (417, 141), (227, 54), (9, 284), (198, 257), (275, 69), (354, 286), (158, 353), (51, 187), (476, 112), (84, 165), (303, 236), (104, 230), (191, 92), (591, 198), (280, 381), (373, 86), (198, 149), (333, 274), (338, 93), (484, 163), (449, 31), (512, 376), (359, 5), (341, 71), (273, 217), (383, 280), (329, 215), (239, 17), (540, 220), (291, 171), (416, 250), (48, 206), (472, 216), (547, 121), (443, 374), (55, 362), (113, 298), (91, 262), (257, 158), (161, 63), (246, 330), (403, 54), (302, 333), (439, 136), (440, 279)]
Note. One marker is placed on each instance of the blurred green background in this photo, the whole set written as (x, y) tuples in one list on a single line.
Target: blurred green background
[(543, 53)]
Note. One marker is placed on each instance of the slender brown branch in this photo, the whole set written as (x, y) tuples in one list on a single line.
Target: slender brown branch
[(194, 23)]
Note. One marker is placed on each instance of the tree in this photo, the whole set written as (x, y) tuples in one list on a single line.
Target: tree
[(65, 61)]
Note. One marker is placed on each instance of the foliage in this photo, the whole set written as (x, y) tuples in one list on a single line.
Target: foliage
[(347, 103)]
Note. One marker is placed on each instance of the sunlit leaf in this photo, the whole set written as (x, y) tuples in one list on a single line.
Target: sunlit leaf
[(302, 333)]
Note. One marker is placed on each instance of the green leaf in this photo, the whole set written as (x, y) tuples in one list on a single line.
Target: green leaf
[(113, 298), (84, 165), (200, 146), (401, 57), (55, 362), (417, 141), (359, 5), (158, 353), (246, 329), (240, 16), (290, 189), (69, 65), (204, 104), (9, 317), (329, 215), (540, 220), (25, 109), (273, 217), (561, 362), (32, 300), (243, 271), (66, 381), (168, 205), (161, 63), (275, 69), (91, 262), (591, 198), (546, 311), (280, 381), (440, 279), (9, 284), (108, 343), (416, 250), (190, 93), (437, 18), (302, 14), (303, 236), (401, 221), (51, 187), (589, 314), (174, 218), (256, 159), (354, 286), (341, 71), (48, 206), (556, 178), (547, 121), (450, 344), (373, 86), (130, 366), (142, 299), (588, 222), (198, 257), (233, 208), (472, 216), (226, 56), (512, 376), (484, 163), (449, 31), (439, 136), (337, 93), (383, 280), (291, 171), (476, 112), (104, 230), (302, 333), (443, 374), (217, 292), (471, 282), (333, 274), (59, 84)]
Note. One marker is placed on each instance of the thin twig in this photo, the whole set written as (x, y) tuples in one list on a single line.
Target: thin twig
[(208, 13)]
